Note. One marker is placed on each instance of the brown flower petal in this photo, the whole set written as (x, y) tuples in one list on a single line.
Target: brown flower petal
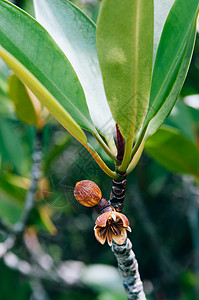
[(99, 238), (123, 218), (102, 219), (111, 226), (120, 239)]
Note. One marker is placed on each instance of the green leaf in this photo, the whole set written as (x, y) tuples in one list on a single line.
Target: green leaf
[(125, 51), (167, 106), (10, 187), (171, 52), (24, 107), (161, 11), (40, 64), (10, 211), (181, 119), (174, 151), (75, 34), (14, 152)]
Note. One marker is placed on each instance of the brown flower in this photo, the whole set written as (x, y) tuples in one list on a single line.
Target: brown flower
[(111, 225)]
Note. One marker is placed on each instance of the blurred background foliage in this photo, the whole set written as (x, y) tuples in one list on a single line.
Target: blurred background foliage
[(58, 256)]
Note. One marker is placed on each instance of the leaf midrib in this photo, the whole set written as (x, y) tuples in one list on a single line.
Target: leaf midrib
[(136, 65)]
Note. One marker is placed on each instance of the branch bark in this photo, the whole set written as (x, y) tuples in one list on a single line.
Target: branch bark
[(30, 196), (128, 267)]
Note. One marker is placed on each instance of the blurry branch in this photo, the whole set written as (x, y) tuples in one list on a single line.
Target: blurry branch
[(41, 267), (39, 292), (60, 273), (19, 228), (15, 233), (128, 267), (34, 272), (169, 268)]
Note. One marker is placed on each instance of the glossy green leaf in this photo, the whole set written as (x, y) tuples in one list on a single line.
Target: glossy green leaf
[(40, 64), (167, 106), (125, 51), (171, 51), (161, 11), (75, 34), (24, 107), (174, 151)]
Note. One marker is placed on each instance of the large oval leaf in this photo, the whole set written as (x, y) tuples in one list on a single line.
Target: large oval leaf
[(125, 51), (171, 51), (166, 108), (75, 34), (174, 151), (161, 11), (36, 59)]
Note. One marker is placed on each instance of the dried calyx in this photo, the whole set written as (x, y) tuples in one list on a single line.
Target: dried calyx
[(110, 225)]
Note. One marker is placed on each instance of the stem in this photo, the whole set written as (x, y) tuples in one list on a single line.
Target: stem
[(128, 267), (111, 144), (136, 158), (127, 156), (139, 142), (36, 174), (118, 192), (105, 147), (101, 163)]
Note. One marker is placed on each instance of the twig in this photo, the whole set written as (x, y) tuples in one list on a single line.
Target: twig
[(128, 267), (39, 292), (36, 174), (34, 272)]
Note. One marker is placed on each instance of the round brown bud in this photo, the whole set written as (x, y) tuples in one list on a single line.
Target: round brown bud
[(87, 193)]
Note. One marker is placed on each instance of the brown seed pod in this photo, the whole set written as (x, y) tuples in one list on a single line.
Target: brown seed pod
[(87, 193)]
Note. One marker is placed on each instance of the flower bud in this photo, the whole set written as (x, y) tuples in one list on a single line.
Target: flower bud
[(87, 193)]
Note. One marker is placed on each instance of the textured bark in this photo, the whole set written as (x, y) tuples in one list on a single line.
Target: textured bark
[(128, 267), (118, 192)]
